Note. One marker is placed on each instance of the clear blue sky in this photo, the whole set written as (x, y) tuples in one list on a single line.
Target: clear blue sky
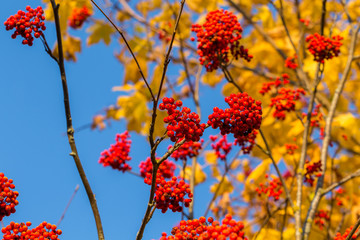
[(35, 153)]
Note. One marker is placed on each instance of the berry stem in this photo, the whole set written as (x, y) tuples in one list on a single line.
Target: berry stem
[(70, 129), (129, 48)]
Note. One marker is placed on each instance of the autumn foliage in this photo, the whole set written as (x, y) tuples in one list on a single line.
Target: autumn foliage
[(276, 147)]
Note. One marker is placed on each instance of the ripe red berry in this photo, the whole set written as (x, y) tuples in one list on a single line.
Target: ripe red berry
[(242, 118), (187, 150), (323, 48), (26, 24), (7, 196), (182, 123), (118, 154), (218, 38), (200, 229), (166, 170), (78, 17), (22, 231)]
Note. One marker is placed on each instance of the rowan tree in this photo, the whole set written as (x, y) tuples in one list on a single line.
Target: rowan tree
[(277, 152)]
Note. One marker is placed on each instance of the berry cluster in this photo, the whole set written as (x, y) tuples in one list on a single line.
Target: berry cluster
[(246, 142), (219, 37), (272, 188), (7, 196), (290, 62), (339, 197), (169, 194), (321, 217), (290, 148), (206, 230), (26, 24), (21, 231), (222, 147), (187, 150), (241, 119), (338, 235), (166, 170), (266, 87), (285, 101), (78, 17), (322, 47), (311, 170), (182, 123), (118, 153)]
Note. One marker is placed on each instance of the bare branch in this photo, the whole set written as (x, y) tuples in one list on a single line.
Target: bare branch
[(70, 129), (68, 205), (129, 48)]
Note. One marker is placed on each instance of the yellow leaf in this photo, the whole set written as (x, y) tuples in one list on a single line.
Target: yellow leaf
[(268, 233), (210, 157), (225, 187), (71, 46), (258, 174), (100, 31), (200, 175), (211, 78), (124, 88)]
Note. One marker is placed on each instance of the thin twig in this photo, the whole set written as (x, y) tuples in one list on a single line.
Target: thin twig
[(68, 205), (353, 230), (215, 195), (326, 141), (153, 146), (70, 129), (129, 48)]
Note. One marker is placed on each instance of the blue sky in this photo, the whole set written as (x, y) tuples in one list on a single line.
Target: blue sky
[(35, 153)]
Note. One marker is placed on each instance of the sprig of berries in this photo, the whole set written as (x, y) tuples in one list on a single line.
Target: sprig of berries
[(312, 169), (344, 236), (187, 150), (242, 118), (28, 24), (222, 147), (206, 230), (118, 154), (181, 123), (290, 62), (219, 37), (290, 148), (321, 217), (79, 16), (166, 170), (170, 194), (272, 188), (323, 48), (21, 231), (7, 196), (266, 87), (285, 101)]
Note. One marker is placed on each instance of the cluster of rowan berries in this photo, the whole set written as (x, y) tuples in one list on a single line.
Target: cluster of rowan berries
[(206, 230), (21, 231), (321, 217), (222, 147), (28, 24), (290, 148), (285, 101), (118, 154), (166, 170), (187, 150), (182, 123), (339, 196), (219, 37), (338, 235), (273, 188), (246, 142), (170, 194), (290, 62), (311, 170), (241, 119), (266, 87), (79, 16), (7, 196), (323, 48)]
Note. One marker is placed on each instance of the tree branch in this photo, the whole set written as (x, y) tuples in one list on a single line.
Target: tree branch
[(70, 129)]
